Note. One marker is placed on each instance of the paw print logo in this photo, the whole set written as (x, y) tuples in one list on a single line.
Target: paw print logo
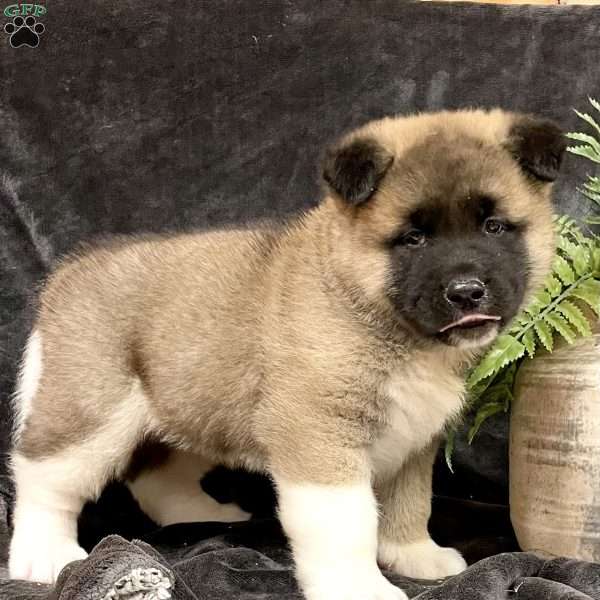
[(24, 32)]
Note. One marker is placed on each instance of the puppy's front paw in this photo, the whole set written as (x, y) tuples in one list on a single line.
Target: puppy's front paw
[(421, 560), (42, 562), (368, 587)]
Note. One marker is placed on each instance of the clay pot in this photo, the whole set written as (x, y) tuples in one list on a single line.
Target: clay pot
[(555, 452)]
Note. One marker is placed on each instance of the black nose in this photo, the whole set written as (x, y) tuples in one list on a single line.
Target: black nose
[(465, 293)]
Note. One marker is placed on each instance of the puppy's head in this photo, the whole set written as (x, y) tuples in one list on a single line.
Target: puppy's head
[(446, 217)]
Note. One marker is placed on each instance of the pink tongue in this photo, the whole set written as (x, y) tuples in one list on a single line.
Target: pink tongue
[(469, 319)]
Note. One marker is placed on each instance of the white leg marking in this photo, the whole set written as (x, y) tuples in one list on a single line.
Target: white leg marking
[(421, 560), (30, 373), (45, 521), (171, 493), (333, 533), (51, 491)]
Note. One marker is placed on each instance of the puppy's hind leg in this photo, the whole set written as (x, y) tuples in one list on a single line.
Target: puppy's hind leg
[(171, 492), (57, 468), (49, 499)]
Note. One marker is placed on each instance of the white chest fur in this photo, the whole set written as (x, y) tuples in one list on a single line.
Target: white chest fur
[(422, 397)]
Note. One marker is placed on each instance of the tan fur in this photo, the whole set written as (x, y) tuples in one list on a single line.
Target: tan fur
[(276, 350)]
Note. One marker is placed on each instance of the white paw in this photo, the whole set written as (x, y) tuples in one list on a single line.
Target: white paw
[(370, 587), (42, 561), (421, 560)]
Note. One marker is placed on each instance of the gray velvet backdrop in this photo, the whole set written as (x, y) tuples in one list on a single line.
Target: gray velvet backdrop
[(139, 115)]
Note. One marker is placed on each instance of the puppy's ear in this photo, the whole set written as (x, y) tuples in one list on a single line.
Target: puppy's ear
[(538, 146), (355, 168)]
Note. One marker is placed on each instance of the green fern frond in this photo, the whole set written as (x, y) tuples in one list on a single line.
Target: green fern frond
[(591, 192), (554, 286), (588, 118), (563, 270), (596, 261), (588, 139), (592, 184), (506, 350), (586, 152), (589, 292), (544, 334), (559, 324), (486, 411), (529, 342), (564, 222), (594, 103), (575, 317), (590, 148)]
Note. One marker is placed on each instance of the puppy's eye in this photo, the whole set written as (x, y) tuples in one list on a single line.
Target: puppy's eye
[(413, 238), (494, 226)]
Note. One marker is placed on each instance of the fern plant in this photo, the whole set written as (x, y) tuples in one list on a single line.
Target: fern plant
[(554, 311), (590, 149)]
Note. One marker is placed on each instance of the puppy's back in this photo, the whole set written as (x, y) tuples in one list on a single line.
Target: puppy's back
[(120, 285)]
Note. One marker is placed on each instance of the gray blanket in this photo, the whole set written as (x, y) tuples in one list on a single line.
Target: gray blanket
[(156, 115), (241, 563)]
